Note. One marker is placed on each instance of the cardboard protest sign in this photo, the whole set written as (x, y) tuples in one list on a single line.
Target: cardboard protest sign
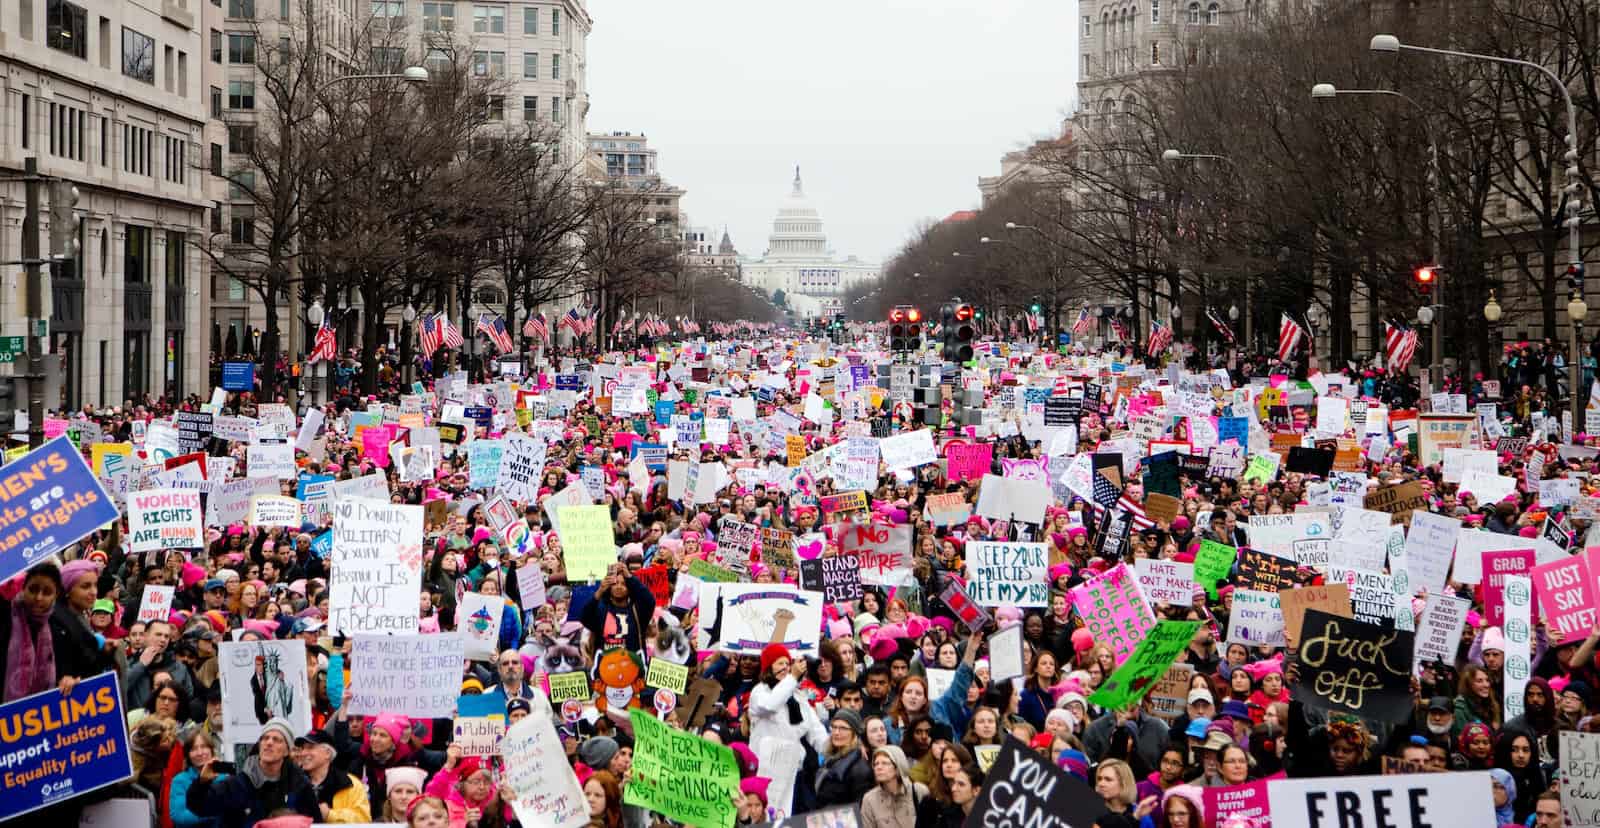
[(1397, 500), (480, 724), (1565, 590), (538, 779), (1333, 599), (883, 549), (1114, 610), (376, 567), (1170, 695), (735, 542), (165, 519), (59, 747), (483, 463), (1256, 619), (1165, 582), (478, 624), (1354, 667), (778, 549), (156, 604), (588, 543), (569, 685), (410, 675), (1023, 788), (1247, 801), (681, 776), (1439, 630), (838, 577), (1265, 572), (274, 460), (262, 679), (948, 509), (1137, 675), (274, 510), (1008, 574), (1458, 798), (744, 618), (1212, 564)]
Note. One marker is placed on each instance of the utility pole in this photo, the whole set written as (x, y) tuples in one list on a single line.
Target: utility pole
[(34, 301)]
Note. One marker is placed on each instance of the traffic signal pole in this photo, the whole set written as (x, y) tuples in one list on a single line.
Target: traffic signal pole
[(34, 301)]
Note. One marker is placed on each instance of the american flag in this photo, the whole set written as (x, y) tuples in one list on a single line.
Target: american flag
[(494, 327), (1035, 322), (536, 327), (572, 322), (1221, 326), (1119, 331), (1084, 323), (1160, 338), (324, 346), (1399, 346), (1105, 491), (436, 332), (1289, 336)]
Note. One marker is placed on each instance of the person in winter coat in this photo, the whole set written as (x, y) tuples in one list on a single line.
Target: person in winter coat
[(775, 711), (385, 743), (341, 796), (893, 801), (1150, 735), (964, 784), (466, 782), (846, 774), (199, 748), (266, 783), (157, 657)]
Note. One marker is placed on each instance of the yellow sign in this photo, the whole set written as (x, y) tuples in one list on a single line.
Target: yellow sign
[(98, 452), (796, 446), (667, 676), (568, 686)]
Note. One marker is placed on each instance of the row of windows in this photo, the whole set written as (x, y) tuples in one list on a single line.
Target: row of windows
[(68, 128), (137, 144), (1123, 21), (176, 152), (486, 19), (495, 108), (67, 131), (493, 64)]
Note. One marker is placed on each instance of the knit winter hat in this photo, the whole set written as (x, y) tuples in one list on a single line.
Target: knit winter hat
[(770, 655)]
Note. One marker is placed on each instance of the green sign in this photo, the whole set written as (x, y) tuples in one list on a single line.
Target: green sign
[(707, 571), (588, 542), (680, 775), (1146, 665), (12, 348), (1212, 563)]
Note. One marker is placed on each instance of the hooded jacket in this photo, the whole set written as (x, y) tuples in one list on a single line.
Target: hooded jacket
[(247, 797), (881, 809)]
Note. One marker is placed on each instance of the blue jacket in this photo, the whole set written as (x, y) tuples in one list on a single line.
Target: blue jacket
[(951, 709), (178, 802), (245, 798)]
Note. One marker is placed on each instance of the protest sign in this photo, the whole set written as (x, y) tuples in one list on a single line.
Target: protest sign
[(274, 510), (1300, 537), (408, 675), (1333, 599), (371, 487), (1165, 582), (194, 430), (1136, 676), (1354, 667), (1580, 777), (908, 450), (965, 609), (1519, 642), (263, 679), (521, 462), (777, 549), (1170, 695), (844, 502), (1430, 547), (1005, 654), (1397, 500), (948, 509), (666, 675), (1113, 609), (968, 461), (1268, 573), (1247, 802), (478, 619), (883, 549), (537, 777), (275, 460), (1565, 590), (1013, 499), (570, 685), (744, 618), (681, 776), (1439, 630), (480, 724), (156, 603), (1212, 564), (1012, 574), (588, 544), (376, 567), (230, 501), (838, 578), (1025, 789), (1256, 619), (1457, 799), (165, 519), (483, 463), (735, 541), (59, 747)]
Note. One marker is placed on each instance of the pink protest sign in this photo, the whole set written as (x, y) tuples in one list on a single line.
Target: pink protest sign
[(884, 551), (1565, 594), (969, 461), (1247, 801), (375, 445), (1496, 566), (1114, 610), (54, 427)]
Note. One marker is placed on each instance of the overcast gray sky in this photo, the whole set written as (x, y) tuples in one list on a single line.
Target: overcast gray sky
[(892, 108)]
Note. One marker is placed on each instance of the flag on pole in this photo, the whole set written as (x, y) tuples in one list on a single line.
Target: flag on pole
[(1160, 338), (494, 327), (1119, 331), (572, 322), (1290, 335), (452, 334), (324, 347), (1399, 345), (536, 327), (1221, 326), (1084, 323)]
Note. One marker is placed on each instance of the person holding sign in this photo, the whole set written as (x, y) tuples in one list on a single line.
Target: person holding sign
[(620, 609)]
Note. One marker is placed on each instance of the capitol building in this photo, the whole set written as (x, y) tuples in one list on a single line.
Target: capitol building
[(799, 263)]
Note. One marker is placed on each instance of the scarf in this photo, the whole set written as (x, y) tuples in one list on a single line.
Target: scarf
[(30, 655)]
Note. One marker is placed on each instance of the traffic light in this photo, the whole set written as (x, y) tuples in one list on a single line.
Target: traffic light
[(905, 328), (959, 331), (1035, 308), (1575, 278), (1426, 279), (913, 329)]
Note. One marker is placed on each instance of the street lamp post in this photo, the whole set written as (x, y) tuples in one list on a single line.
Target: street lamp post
[(1577, 309)]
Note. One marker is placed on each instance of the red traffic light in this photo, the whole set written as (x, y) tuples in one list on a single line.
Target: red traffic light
[(963, 312), (897, 315), (1426, 275), (914, 315)]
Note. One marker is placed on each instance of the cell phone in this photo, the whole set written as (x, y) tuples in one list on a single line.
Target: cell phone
[(223, 767)]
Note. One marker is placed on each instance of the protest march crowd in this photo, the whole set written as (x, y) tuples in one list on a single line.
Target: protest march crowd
[(738, 582)]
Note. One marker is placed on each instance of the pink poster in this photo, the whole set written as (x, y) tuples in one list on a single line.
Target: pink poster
[(1496, 566), (1114, 610), (375, 445), (1247, 802), (969, 461), (1565, 596)]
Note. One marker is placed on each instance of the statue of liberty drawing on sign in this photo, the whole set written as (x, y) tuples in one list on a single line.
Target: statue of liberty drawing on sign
[(269, 688)]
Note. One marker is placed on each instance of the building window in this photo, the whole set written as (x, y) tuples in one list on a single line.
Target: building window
[(530, 65), (241, 138), (136, 254), (175, 152), (388, 59), (555, 22), (216, 102), (437, 61), (555, 67), (1088, 23), (389, 8), (530, 20), (1155, 11), (1213, 14), (1155, 53), (555, 110), (241, 187), (216, 46), (27, 120), (530, 108), (216, 159), (495, 108), (136, 149), (67, 28), (438, 17), (241, 94), (68, 127), (489, 19), (241, 48), (242, 225), (489, 64), (138, 56), (242, 9), (216, 215), (1194, 13)]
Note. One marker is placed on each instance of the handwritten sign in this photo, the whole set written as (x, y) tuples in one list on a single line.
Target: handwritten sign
[(1113, 609), (1145, 666), (1256, 619), (376, 572), (540, 782), (838, 578), (1165, 582), (156, 604), (165, 519), (1355, 667), (408, 675), (884, 551), (1008, 574), (681, 776)]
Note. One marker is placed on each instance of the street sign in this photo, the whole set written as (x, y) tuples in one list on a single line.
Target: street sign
[(12, 348)]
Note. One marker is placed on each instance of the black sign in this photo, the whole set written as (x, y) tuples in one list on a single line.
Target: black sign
[(1161, 475), (1024, 788), (1315, 461), (1193, 466), (1062, 411), (1354, 667), (837, 578), (881, 427), (1512, 445), (194, 431), (1556, 532), (483, 415), (1114, 529), (1264, 571), (1091, 396)]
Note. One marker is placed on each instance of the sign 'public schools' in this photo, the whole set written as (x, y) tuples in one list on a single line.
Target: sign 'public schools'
[(49, 499), (60, 747)]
